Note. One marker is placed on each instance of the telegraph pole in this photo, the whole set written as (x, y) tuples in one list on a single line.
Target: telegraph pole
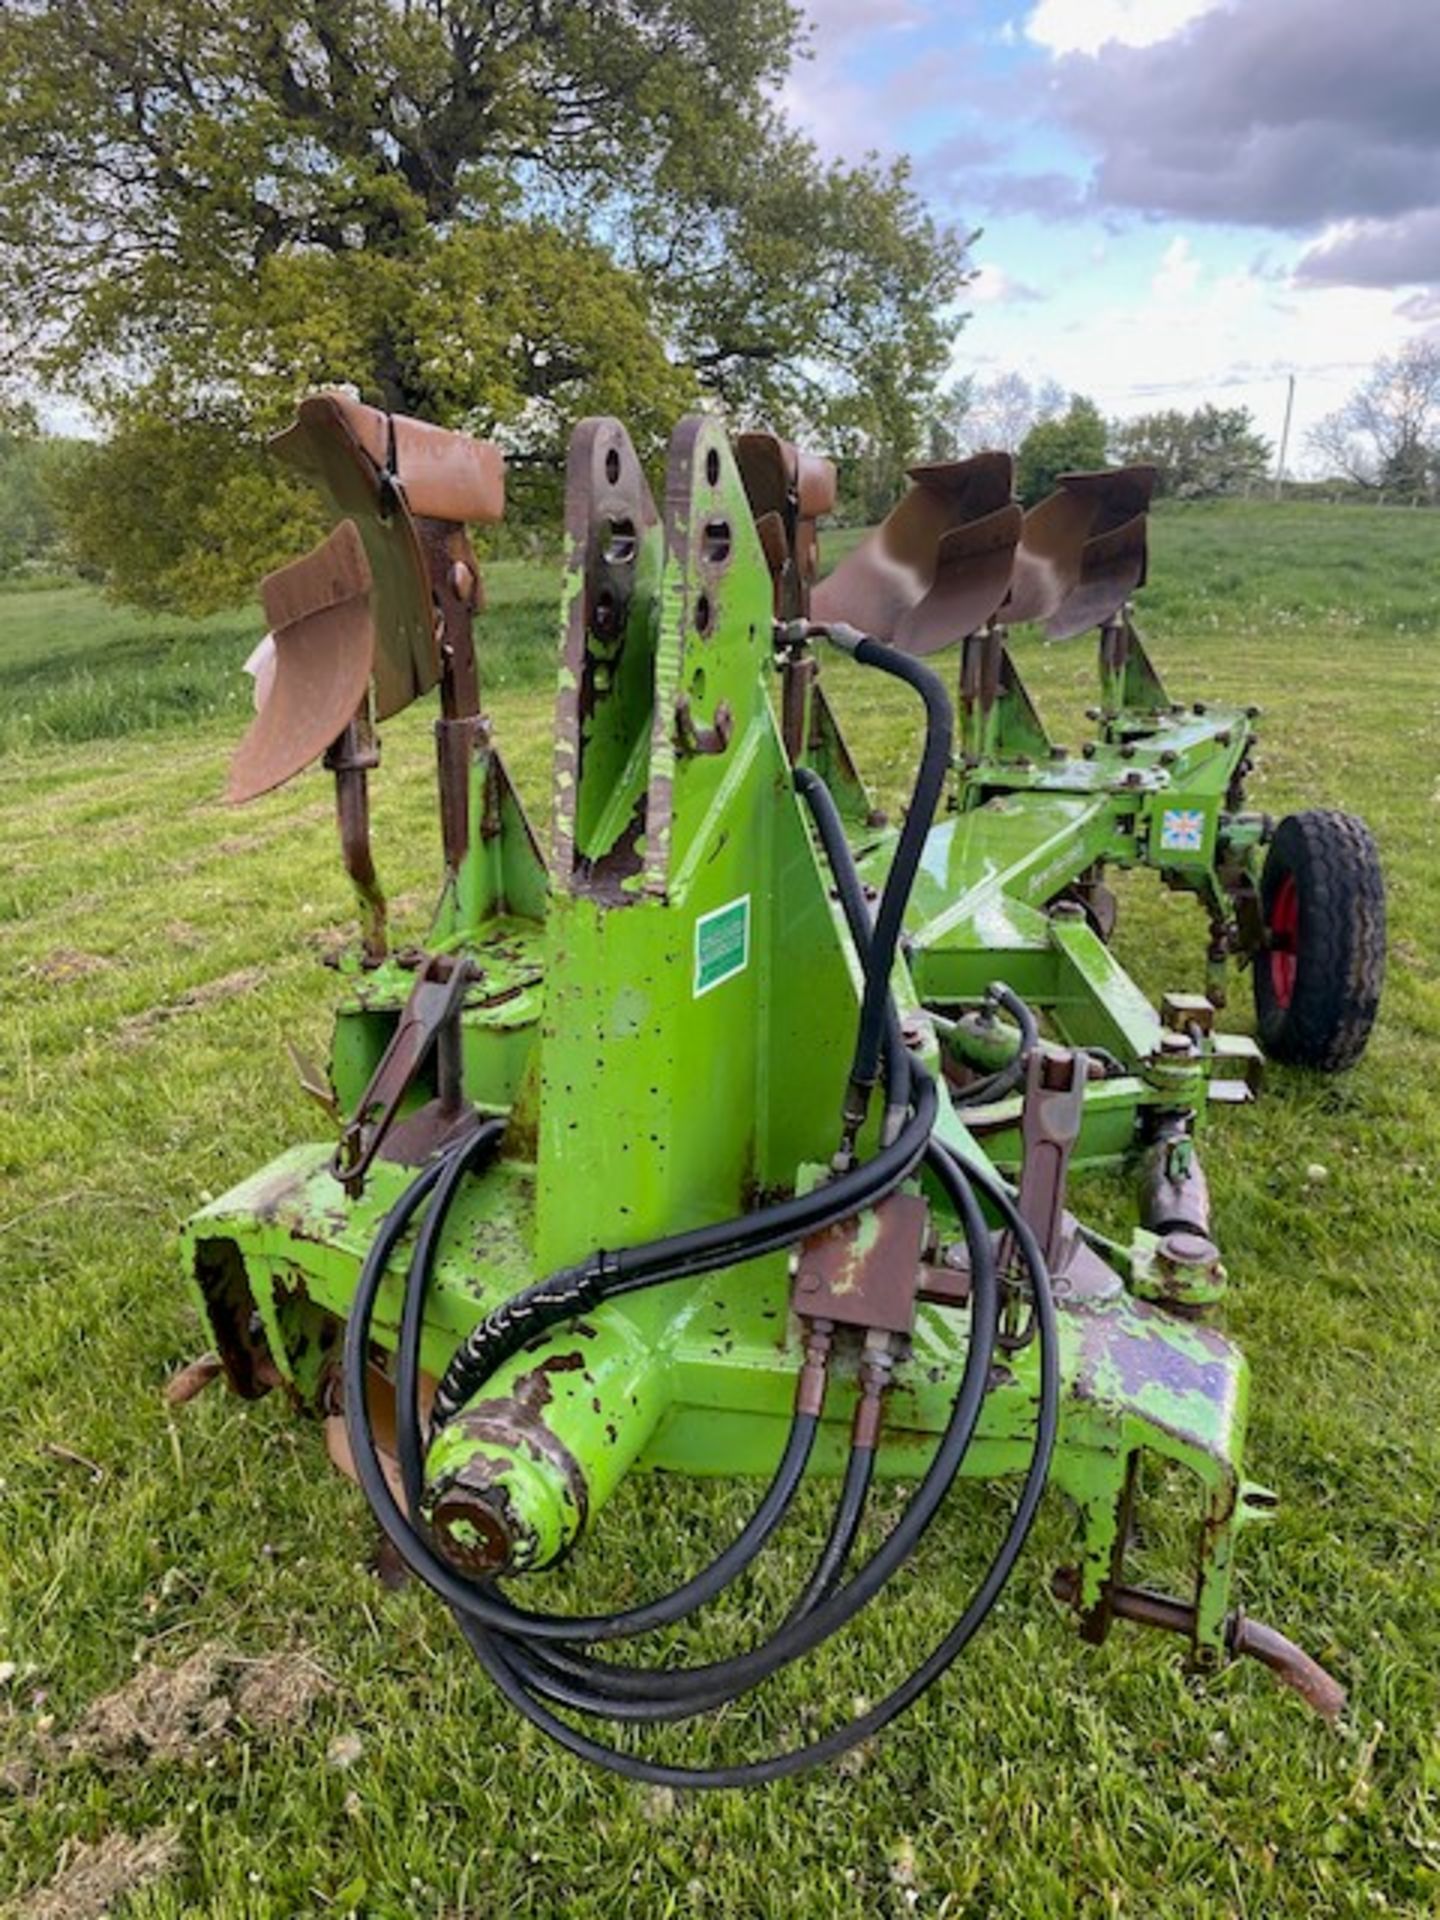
[(1285, 438)]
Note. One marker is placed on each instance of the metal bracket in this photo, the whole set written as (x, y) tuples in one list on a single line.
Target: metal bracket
[(864, 1272), (1049, 1126), (432, 1009)]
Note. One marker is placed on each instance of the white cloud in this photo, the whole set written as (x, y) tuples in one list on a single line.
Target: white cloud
[(1084, 26), (1193, 336), (994, 287), (1178, 271)]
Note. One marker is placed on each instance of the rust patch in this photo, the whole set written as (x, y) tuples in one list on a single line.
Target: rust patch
[(864, 1272), (514, 1424), (533, 1390)]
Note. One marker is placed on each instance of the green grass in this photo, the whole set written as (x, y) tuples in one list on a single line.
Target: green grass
[(73, 669), (1044, 1778)]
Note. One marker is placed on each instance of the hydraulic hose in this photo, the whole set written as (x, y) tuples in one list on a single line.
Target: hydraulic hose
[(844, 1529), (925, 797), (519, 1676), (494, 1656), (830, 830), (995, 1086)]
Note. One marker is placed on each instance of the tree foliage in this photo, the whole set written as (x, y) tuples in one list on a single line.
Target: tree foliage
[(32, 469), (1072, 442), (1386, 437), (1214, 450), (494, 213)]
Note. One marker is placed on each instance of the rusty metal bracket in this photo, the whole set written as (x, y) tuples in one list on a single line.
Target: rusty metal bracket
[(1053, 1109), (865, 1272), (1049, 1127), (433, 1007), (1290, 1664), (351, 758)]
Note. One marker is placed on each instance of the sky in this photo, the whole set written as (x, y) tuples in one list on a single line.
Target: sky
[(1180, 201)]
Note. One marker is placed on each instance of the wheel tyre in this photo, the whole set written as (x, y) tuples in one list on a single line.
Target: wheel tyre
[(1319, 974)]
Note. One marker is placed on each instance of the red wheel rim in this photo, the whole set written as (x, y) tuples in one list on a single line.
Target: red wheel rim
[(1284, 931)]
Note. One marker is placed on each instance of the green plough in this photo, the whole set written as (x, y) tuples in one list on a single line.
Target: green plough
[(735, 1138)]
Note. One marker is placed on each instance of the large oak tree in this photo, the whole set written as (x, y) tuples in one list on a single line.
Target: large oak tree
[(495, 213)]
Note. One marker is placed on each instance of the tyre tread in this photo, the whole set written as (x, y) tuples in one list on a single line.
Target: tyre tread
[(1342, 941)]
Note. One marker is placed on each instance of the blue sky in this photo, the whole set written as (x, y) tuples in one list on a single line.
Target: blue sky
[(1182, 200)]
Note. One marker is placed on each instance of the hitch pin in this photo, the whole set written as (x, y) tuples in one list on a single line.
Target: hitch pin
[(1289, 1663)]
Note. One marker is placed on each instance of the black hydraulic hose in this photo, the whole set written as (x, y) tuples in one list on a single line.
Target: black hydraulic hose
[(844, 1529), (831, 831), (409, 1439), (839, 1543), (997, 1085), (925, 798)]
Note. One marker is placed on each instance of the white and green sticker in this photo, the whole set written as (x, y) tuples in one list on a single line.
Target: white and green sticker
[(722, 944)]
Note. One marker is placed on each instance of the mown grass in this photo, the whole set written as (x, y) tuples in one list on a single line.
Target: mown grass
[(73, 669), (1045, 1778)]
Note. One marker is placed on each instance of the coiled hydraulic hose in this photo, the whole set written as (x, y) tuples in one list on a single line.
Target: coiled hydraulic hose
[(514, 1646), (536, 1660)]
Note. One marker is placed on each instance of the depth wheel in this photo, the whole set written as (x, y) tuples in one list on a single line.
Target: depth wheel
[(1318, 975)]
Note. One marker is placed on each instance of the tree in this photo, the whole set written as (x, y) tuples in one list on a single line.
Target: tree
[(32, 466), (947, 428), (1074, 442), (1002, 411), (493, 214), (1214, 450), (1386, 436)]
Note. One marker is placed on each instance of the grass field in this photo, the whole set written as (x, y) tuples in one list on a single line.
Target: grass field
[(206, 1696)]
